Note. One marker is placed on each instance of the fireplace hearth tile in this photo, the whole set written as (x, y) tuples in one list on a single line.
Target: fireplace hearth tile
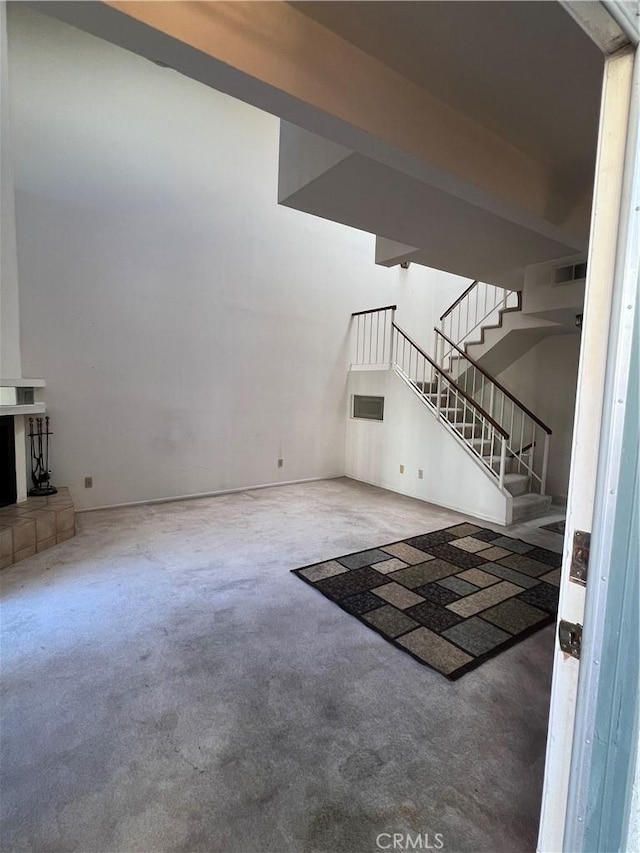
[(24, 553), (45, 524), (24, 533), (66, 534), (46, 543), (35, 525), (59, 501), (8, 513), (6, 542), (65, 519)]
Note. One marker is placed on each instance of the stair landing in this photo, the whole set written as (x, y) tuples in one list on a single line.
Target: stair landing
[(526, 507)]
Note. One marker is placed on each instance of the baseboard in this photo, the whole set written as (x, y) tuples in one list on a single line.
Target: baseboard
[(481, 517), (216, 494)]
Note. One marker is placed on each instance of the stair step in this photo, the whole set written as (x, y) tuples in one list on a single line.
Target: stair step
[(467, 430), (494, 462), (445, 399), (516, 484), (526, 507), (483, 446)]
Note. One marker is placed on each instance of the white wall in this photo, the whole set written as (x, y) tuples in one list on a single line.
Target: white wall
[(190, 330), (557, 303), (411, 436), (544, 379), (10, 366)]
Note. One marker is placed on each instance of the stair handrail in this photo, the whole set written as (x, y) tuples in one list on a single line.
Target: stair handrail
[(473, 403), (459, 299), (495, 382), (469, 317), (375, 310), (380, 344)]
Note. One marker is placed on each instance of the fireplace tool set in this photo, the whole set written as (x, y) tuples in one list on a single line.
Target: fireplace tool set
[(40, 474)]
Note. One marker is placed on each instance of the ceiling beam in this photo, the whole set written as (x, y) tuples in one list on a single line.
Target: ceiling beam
[(282, 61)]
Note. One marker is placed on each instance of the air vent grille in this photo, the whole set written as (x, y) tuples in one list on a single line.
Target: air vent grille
[(369, 408), (570, 273)]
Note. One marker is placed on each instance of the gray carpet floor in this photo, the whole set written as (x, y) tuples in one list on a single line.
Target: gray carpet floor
[(170, 686)]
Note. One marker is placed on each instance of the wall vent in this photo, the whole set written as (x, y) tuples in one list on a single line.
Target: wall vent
[(369, 408), (570, 274)]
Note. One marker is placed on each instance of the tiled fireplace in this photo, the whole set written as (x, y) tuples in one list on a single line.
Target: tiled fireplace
[(35, 525), (28, 525)]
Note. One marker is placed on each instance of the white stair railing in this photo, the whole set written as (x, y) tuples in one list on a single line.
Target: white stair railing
[(380, 342), (373, 339), (528, 444), (480, 305)]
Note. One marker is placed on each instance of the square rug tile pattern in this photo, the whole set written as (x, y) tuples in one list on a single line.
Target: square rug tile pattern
[(452, 598), (554, 527)]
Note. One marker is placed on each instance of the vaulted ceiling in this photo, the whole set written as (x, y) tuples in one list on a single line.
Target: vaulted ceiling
[(464, 130)]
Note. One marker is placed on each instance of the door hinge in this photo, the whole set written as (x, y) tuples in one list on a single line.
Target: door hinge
[(570, 638), (580, 557)]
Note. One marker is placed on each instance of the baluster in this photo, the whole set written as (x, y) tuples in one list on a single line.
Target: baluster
[(467, 300), (357, 358), (532, 457), (503, 458), (545, 464), (364, 338), (384, 338), (377, 337), (513, 409), (477, 312), (392, 339)]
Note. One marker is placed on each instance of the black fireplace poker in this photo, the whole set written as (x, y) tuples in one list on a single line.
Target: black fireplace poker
[(40, 474)]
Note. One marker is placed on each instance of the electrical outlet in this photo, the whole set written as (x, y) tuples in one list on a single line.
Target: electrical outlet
[(280, 463), (402, 469), (88, 482), (420, 473)]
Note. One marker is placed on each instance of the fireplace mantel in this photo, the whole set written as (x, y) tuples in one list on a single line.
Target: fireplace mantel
[(10, 396), (21, 399)]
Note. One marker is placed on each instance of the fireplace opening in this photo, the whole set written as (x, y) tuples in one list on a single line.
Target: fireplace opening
[(8, 485)]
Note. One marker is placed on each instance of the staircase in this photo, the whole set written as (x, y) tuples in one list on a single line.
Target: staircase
[(489, 324), (505, 438)]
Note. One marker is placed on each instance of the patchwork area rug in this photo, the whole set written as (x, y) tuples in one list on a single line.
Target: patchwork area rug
[(554, 527), (452, 598)]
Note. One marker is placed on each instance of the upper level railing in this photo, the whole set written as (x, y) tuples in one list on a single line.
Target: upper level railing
[(480, 305), (381, 342), (528, 444), (373, 335)]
